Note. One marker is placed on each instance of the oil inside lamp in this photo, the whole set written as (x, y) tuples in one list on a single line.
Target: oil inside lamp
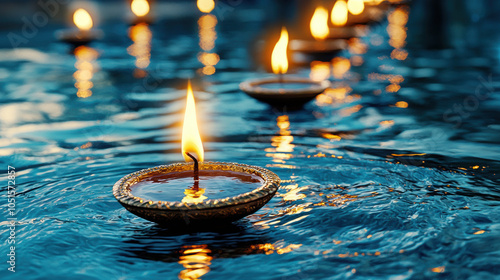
[(283, 90), (84, 33), (196, 192)]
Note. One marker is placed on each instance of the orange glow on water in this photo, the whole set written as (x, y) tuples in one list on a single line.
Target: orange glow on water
[(398, 32), (208, 35), (85, 58), (141, 48), (279, 61), (401, 104), (196, 261), (320, 71), (341, 66), (282, 143)]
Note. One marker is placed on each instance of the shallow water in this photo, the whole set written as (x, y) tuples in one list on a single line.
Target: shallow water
[(394, 172)]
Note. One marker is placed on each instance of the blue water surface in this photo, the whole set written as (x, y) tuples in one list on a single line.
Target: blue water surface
[(393, 173)]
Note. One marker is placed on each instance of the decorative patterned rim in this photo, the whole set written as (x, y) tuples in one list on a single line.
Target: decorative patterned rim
[(121, 189), (253, 88)]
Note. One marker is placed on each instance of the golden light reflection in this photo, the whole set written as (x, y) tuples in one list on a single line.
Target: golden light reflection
[(82, 19), (269, 248), (279, 61), (350, 110), (439, 269), (395, 81), (341, 66), (320, 71), (337, 95), (205, 6), (196, 261), (319, 24), (140, 8), (282, 142), (191, 140), (355, 7), (397, 32), (357, 46), (339, 13), (85, 65), (401, 104), (207, 33), (141, 48), (194, 195)]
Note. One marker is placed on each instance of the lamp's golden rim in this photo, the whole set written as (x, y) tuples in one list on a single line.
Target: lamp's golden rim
[(121, 189), (253, 87)]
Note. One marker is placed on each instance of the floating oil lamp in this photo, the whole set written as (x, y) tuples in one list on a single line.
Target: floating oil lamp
[(282, 90), (196, 192), (319, 31), (140, 12), (84, 33)]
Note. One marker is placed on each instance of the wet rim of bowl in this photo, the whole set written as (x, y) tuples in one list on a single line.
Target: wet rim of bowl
[(253, 86), (121, 189)]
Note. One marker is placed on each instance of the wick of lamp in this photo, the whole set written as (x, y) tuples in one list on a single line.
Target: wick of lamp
[(196, 172)]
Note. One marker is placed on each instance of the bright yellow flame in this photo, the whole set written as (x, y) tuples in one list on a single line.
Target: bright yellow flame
[(319, 24), (82, 19), (191, 140), (355, 7), (140, 8), (206, 6), (279, 61), (339, 13)]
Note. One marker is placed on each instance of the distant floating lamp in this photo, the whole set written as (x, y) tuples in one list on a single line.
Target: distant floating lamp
[(205, 6), (140, 12), (283, 90), (84, 32)]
